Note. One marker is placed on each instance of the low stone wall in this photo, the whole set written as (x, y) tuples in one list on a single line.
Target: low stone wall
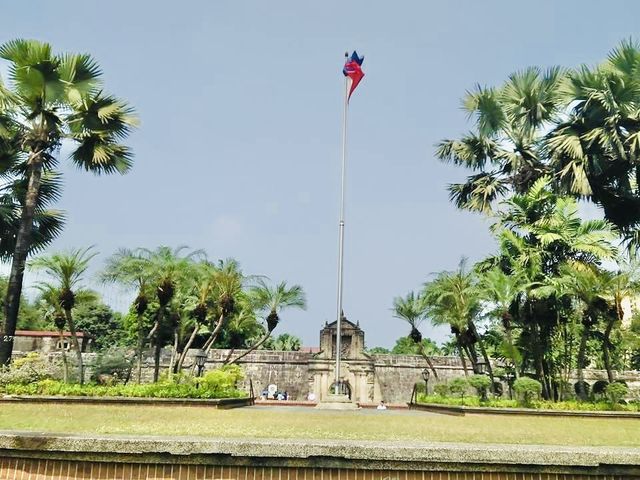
[(50, 457)]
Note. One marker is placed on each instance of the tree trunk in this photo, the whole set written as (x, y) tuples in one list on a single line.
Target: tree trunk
[(65, 363), (461, 353), (192, 337), (157, 344), (174, 353), (509, 336), (20, 253), (427, 359), (76, 344), (483, 350), (140, 349), (214, 335), (582, 353), (606, 349), (247, 352)]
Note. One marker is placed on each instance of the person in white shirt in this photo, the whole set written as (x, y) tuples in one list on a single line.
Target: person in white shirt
[(382, 406)]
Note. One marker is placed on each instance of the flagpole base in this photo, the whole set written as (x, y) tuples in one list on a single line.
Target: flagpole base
[(337, 402)]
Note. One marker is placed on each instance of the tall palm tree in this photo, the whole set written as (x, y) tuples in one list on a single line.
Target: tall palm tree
[(130, 269), (412, 310), (538, 231), (67, 270), (505, 149), (56, 97), (589, 286), (271, 300), (199, 287), (228, 283), (53, 313), (595, 148), (500, 290), (166, 267)]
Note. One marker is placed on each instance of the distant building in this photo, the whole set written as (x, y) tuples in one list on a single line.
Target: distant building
[(47, 341)]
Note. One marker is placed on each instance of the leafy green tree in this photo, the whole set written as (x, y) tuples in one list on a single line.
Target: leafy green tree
[(286, 342), (458, 387), (95, 318), (54, 98), (66, 272), (407, 346), (378, 350)]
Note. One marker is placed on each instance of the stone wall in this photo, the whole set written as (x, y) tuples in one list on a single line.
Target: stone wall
[(372, 378)]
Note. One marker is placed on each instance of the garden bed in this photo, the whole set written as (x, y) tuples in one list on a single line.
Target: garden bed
[(452, 409), (216, 402)]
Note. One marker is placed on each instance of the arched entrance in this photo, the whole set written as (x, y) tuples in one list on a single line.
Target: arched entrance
[(344, 389)]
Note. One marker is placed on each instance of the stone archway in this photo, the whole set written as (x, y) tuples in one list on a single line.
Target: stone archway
[(345, 388)]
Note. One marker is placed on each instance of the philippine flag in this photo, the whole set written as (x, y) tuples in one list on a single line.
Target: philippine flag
[(353, 71)]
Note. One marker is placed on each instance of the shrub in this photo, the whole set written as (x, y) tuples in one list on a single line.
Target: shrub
[(616, 392), (218, 383), (31, 368), (441, 389), (528, 389), (221, 380), (111, 366), (458, 387), (481, 383)]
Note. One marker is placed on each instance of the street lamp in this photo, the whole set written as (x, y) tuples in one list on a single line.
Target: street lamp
[(509, 376), (201, 359), (425, 375)]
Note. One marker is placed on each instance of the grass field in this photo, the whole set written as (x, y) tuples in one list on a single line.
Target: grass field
[(283, 422)]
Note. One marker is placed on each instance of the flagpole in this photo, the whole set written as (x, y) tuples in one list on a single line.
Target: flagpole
[(341, 233)]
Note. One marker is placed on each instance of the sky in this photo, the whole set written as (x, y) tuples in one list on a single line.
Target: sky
[(238, 151)]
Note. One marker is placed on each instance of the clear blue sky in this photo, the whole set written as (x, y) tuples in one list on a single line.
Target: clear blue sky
[(239, 148)]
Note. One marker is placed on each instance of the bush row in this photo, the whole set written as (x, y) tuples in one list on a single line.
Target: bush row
[(527, 392)]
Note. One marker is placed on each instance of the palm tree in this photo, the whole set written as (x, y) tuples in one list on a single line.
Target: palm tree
[(52, 98), (272, 300), (199, 291), (594, 149), (53, 313), (581, 127), (130, 268), (538, 232), (67, 270), (589, 286), (500, 290), (286, 342), (622, 285), (452, 298), (166, 267), (412, 310), (228, 282), (505, 148)]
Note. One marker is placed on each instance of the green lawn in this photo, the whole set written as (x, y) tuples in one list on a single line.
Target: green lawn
[(283, 422)]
